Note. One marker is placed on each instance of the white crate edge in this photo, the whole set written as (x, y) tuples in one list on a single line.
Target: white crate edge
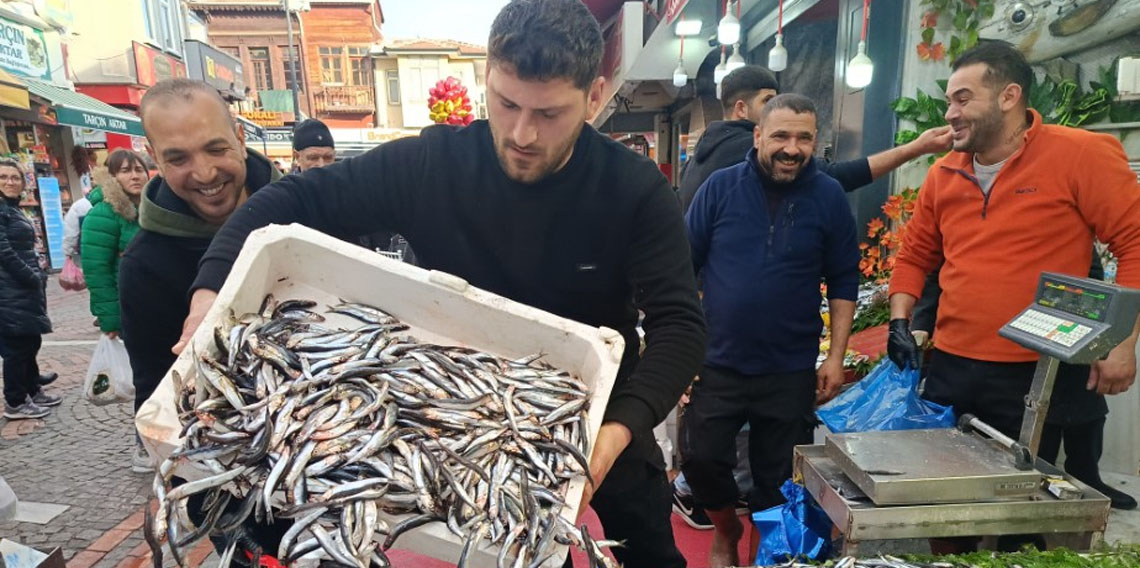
[(156, 417)]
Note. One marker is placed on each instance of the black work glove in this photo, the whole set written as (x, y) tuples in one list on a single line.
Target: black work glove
[(901, 346)]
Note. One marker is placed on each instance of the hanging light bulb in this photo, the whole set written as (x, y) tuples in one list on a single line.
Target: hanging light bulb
[(680, 77), (721, 69), (778, 56), (860, 69), (728, 31), (736, 61)]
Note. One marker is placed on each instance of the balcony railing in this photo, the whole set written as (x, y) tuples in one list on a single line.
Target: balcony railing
[(349, 98)]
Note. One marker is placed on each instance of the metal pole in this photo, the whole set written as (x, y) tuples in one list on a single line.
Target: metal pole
[(293, 57)]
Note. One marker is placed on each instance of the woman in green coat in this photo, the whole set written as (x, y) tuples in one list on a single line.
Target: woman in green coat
[(107, 230)]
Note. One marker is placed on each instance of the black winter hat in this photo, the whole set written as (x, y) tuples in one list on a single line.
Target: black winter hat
[(312, 132)]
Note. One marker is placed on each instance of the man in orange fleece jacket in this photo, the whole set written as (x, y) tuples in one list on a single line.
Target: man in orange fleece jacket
[(1015, 198)]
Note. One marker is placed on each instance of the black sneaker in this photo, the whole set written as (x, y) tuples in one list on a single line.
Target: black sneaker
[(47, 378), (693, 516)]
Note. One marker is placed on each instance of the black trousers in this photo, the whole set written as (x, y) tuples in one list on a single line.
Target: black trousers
[(21, 371), (995, 393), (780, 409), (635, 504)]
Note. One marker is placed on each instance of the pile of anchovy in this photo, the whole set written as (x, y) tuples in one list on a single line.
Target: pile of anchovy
[(330, 427)]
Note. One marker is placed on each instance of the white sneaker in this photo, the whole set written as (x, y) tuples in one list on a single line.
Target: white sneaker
[(140, 460)]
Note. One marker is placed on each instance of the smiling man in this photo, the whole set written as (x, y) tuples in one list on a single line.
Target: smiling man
[(205, 172), (1015, 198), (764, 233), (535, 205)]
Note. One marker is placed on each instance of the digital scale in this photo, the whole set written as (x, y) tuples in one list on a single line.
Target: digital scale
[(973, 480)]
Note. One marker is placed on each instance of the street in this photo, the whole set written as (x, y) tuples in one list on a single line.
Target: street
[(79, 457)]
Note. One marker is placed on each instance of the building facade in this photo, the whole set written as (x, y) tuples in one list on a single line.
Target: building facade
[(332, 42), (405, 70)]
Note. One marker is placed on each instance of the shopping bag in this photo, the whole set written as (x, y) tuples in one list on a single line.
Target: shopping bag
[(887, 399), (71, 277), (799, 529), (109, 378)]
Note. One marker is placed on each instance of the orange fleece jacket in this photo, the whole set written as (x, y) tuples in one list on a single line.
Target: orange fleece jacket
[(1062, 187)]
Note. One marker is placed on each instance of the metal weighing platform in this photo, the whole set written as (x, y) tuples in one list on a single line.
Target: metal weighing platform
[(973, 480)]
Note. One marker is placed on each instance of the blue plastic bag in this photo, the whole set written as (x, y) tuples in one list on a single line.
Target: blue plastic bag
[(887, 399), (797, 529)]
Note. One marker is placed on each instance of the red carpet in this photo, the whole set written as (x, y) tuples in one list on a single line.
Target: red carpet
[(694, 545)]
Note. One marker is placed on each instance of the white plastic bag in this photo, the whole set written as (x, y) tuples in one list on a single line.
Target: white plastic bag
[(109, 379)]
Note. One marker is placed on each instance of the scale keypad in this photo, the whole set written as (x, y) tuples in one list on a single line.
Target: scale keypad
[(1050, 327)]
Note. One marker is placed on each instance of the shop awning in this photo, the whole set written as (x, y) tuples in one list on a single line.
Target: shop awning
[(76, 109), (13, 92)]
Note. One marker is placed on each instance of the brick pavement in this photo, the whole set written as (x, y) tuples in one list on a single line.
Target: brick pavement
[(78, 456)]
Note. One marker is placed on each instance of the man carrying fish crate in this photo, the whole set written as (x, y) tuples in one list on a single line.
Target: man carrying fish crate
[(1016, 198), (535, 205)]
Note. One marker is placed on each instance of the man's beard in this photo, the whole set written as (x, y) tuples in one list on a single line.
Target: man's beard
[(984, 132), (539, 169), (767, 164)]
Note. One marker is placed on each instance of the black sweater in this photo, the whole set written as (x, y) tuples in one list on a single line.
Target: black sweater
[(726, 142), (594, 242)]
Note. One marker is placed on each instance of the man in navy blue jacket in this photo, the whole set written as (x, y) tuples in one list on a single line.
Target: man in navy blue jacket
[(764, 234)]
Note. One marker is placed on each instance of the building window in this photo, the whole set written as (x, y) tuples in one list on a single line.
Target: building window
[(291, 62), (392, 78), (171, 22), (332, 70), (234, 51), (262, 74), (359, 62), (148, 21)]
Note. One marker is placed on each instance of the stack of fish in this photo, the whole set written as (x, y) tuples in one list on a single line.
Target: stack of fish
[(330, 427)]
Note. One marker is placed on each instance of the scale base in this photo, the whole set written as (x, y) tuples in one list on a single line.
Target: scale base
[(930, 466)]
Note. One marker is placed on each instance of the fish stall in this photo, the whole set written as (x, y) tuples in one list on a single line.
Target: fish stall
[(374, 404), (973, 480)]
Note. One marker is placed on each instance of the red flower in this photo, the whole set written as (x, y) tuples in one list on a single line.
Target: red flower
[(930, 19), (927, 52)]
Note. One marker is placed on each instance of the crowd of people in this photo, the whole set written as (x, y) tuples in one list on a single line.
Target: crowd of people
[(536, 205)]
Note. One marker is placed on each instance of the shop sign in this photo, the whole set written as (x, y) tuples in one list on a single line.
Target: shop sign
[(218, 68), (23, 50), (152, 65), (272, 135), (673, 9), (264, 118), (97, 121)]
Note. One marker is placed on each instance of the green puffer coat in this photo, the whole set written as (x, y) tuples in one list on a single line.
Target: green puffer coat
[(107, 230)]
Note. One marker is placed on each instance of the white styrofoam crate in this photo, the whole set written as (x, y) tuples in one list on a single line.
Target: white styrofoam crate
[(297, 262)]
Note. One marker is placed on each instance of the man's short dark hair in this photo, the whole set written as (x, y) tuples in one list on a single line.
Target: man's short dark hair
[(1004, 65), (796, 103), (179, 88), (541, 40), (745, 83)]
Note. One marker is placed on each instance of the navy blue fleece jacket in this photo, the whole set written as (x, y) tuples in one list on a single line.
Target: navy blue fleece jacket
[(761, 272)]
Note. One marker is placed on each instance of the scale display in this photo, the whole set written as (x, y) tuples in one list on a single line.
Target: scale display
[(1076, 320), (1073, 299)]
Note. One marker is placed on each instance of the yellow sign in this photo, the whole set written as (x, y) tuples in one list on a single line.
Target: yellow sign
[(264, 118)]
